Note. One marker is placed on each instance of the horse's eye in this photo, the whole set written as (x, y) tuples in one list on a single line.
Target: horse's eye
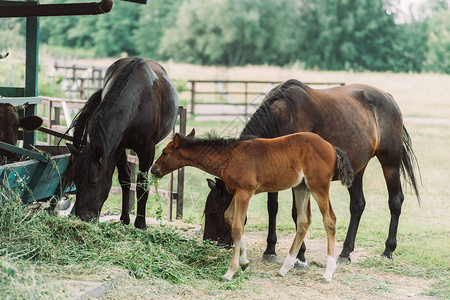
[(164, 153)]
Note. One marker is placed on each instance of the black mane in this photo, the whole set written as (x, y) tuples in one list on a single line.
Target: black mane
[(263, 123), (90, 121), (213, 139)]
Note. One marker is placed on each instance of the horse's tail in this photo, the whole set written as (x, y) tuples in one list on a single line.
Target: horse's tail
[(81, 121), (344, 168), (409, 161)]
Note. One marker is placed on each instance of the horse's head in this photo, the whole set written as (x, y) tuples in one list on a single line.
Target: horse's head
[(93, 179), (170, 159), (10, 122), (217, 203)]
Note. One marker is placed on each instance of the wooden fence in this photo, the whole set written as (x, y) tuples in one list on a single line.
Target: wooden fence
[(58, 110), (232, 97), (79, 82), (205, 97)]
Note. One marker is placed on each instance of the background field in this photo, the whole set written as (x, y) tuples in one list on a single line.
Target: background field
[(424, 230)]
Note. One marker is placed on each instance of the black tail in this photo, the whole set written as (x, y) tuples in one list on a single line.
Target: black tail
[(409, 161), (343, 167)]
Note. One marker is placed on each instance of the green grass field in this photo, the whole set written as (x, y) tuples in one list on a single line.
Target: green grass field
[(423, 235)]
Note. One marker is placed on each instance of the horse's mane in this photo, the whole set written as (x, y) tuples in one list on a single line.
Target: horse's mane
[(97, 130), (213, 139), (90, 121), (81, 120), (263, 122)]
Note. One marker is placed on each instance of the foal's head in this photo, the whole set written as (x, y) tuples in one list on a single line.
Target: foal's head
[(171, 159), (216, 204)]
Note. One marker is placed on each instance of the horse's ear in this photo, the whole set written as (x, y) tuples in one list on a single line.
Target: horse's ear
[(211, 183), (220, 185), (176, 140), (30, 123), (191, 134), (73, 150)]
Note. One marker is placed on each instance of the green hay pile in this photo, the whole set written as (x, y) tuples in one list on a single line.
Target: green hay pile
[(43, 239)]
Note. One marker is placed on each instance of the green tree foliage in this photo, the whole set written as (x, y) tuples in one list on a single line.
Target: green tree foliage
[(439, 43), (324, 34), (347, 34), (154, 20), (232, 32)]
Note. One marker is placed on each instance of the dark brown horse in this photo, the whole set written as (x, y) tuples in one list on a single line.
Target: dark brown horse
[(136, 109), (362, 120), (303, 161), (10, 122)]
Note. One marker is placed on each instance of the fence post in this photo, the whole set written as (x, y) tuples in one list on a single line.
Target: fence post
[(180, 182), (192, 97)]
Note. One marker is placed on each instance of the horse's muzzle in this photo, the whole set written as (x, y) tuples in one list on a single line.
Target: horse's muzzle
[(155, 171)]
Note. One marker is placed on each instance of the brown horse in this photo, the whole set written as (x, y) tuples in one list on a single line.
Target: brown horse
[(136, 109), (10, 122), (248, 166), (361, 120)]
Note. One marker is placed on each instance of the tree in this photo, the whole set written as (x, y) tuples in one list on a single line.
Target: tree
[(154, 20), (346, 34), (231, 32), (438, 57)]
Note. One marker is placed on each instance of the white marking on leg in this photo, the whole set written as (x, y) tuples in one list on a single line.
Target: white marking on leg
[(228, 275), (243, 261), (331, 267), (287, 265), (300, 265)]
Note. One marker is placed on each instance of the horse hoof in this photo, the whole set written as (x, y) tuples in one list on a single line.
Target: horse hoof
[(300, 265), (387, 254), (344, 260), (271, 258), (244, 266), (125, 221), (140, 226)]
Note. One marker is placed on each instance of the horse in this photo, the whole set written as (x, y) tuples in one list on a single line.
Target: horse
[(362, 120), (135, 109), (10, 122), (248, 166)]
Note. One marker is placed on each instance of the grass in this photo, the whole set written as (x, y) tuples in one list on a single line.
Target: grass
[(42, 245), (37, 239)]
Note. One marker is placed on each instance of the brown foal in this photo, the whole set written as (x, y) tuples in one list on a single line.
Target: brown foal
[(248, 166)]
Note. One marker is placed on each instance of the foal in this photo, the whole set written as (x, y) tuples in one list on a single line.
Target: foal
[(248, 166)]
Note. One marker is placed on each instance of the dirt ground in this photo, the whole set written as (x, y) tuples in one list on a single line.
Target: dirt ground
[(351, 281)]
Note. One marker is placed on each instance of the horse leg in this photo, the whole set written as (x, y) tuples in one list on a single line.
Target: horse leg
[(357, 205), (146, 158), (300, 262), (329, 222), (396, 197), (235, 218), (303, 207), (124, 172), (272, 207)]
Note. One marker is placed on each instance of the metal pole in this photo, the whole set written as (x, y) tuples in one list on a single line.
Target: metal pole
[(31, 74)]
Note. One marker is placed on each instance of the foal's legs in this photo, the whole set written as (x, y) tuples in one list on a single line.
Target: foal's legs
[(357, 205), (146, 157), (301, 260), (303, 206), (124, 173), (329, 221), (235, 218)]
